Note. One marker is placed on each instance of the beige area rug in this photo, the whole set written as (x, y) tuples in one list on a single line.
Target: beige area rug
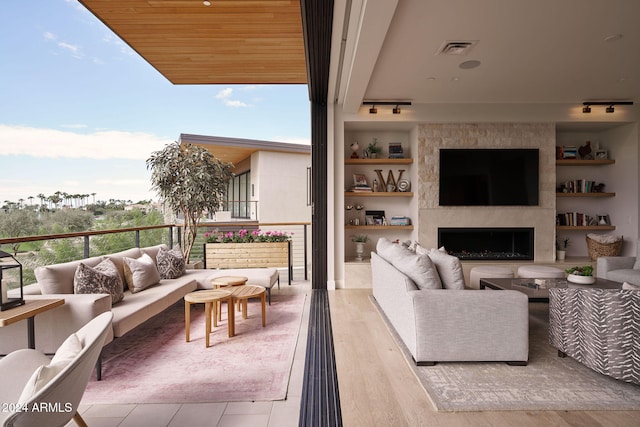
[(548, 382), (154, 364)]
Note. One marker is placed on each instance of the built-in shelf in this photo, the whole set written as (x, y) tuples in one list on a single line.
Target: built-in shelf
[(592, 194), (378, 161), (378, 227), (378, 194), (586, 227), (576, 162)]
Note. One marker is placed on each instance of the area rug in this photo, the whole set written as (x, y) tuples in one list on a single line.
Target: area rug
[(154, 363), (548, 382)]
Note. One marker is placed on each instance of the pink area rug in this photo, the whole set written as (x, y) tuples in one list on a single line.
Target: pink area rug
[(154, 364)]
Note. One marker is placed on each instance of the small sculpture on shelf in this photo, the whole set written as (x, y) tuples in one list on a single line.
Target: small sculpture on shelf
[(585, 151), (354, 148)]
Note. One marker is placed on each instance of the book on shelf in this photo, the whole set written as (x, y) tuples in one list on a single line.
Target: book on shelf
[(577, 219), (580, 186), (360, 188), (569, 152), (400, 220)]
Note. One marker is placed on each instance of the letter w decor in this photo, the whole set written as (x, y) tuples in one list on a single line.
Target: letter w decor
[(390, 179)]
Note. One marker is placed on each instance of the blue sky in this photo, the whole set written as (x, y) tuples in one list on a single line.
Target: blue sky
[(81, 111)]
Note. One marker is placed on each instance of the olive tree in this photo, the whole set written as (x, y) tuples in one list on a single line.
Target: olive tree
[(189, 180)]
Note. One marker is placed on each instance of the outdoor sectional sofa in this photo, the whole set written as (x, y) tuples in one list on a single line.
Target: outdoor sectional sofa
[(56, 281), (442, 322)]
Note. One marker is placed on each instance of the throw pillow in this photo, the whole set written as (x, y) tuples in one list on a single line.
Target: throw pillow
[(630, 286), (140, 273), (448, 266), (171, 264), (68, 350), (101, 279), (39, 379), (419, 268)]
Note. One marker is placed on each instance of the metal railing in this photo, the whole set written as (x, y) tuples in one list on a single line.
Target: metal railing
[(56, 248)]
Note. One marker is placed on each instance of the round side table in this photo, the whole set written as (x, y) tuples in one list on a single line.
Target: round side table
[(243, 293), (210, 299)]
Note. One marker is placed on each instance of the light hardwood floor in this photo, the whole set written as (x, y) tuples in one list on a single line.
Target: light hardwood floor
[(377, 387)]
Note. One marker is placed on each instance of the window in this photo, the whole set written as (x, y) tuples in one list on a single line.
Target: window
[(238, 195)]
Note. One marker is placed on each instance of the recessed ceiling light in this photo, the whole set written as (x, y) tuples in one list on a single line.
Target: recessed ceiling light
[(467, 65), (206, 3), (431, 78)]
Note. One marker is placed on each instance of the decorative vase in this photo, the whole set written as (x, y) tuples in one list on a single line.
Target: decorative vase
[(560, 255), (359, 251)]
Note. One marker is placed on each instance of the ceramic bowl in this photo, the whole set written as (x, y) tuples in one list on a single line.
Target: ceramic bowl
[(583, 280)]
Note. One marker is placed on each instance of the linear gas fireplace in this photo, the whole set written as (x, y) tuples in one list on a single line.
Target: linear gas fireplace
[(488, 243)]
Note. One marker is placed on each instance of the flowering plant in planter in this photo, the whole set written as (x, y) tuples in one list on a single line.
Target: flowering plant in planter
[(246, 236)]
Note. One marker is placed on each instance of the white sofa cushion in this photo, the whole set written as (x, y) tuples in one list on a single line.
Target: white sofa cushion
[(118, 259), (418, 267), (140, 273)]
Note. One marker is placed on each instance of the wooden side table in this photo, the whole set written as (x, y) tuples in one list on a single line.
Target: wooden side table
[(210, 299), (28, 311), (242, 293), (226, 281)]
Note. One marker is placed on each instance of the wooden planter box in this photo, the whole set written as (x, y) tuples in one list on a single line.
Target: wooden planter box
[(248, 255)]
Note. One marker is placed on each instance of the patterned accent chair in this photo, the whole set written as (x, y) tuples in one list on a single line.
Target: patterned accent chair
[(599, 328)]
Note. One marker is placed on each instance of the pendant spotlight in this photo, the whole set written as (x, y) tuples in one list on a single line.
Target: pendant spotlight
[(587, 105), (396, 109)]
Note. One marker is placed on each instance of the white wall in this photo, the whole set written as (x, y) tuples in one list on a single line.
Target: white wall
[(280, 186)]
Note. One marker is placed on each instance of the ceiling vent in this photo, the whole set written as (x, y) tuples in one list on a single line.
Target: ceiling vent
[(456, 47)]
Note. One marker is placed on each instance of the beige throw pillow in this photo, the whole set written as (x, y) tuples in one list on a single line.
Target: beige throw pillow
[(140, 273), (448, 266)]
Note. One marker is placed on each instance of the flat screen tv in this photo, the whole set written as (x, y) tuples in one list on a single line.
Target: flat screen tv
[(489, 177)]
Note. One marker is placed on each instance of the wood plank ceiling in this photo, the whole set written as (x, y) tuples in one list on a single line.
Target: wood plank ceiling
[(228, 42)]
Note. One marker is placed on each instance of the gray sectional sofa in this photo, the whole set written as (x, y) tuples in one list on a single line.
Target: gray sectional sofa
[(56, 281), (440, 324)]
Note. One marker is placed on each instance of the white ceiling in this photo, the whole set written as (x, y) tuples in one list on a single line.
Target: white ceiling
[(542, 51)]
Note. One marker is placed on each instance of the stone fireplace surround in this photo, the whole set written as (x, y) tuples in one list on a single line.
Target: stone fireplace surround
[(433, 136)]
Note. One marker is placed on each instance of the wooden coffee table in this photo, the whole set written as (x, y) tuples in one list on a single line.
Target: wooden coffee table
[(537, 293), (210, 299), (243, 293)]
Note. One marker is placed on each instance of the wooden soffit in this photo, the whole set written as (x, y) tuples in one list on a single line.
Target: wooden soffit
[(228, 42)]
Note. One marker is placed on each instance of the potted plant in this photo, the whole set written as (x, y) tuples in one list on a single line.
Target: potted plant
[(190, 181), (582, 275), (360, 240), (561, 248), (373, 149)]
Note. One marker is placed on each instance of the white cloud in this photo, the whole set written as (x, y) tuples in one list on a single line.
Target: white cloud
[(49, 36), (225, 96), (52, 143)]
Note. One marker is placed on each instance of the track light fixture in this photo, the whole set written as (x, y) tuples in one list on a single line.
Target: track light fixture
[(396, 109), (587, 105)]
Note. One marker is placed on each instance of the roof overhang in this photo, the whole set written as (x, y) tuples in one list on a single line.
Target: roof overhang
[(227, 42), (235, 150)]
